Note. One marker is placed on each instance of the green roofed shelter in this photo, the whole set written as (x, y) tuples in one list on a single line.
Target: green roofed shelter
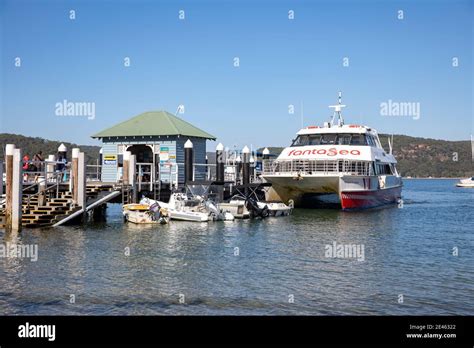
[(154, 123), (157, 140)]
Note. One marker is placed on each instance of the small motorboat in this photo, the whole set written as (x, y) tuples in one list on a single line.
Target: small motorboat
[(251, 207), (192, 208), (469, 182), (143, 213), (268, 208), (277, 208), (237, 208)]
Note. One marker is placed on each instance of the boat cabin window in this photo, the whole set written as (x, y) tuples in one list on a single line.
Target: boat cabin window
[(358, 139), (370, 140), (328, 139), (311, 139), (344, 139), (331, 139), (383, 169)]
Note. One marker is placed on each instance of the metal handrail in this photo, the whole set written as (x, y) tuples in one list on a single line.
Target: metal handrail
[(56, 184)]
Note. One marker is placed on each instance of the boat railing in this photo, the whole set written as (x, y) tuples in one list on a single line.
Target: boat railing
[(319, 167)]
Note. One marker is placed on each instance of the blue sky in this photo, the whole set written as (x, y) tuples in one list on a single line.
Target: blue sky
[(282, 62)]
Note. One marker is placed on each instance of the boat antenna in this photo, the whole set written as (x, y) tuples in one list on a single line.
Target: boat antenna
[(338, 112)]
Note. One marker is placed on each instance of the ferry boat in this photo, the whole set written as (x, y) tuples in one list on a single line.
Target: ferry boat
[(337, 163)]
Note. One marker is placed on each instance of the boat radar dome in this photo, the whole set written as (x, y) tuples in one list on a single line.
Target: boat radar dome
[(188, 144), (62, 148), (220, 147), (266, 151), (245, 149)]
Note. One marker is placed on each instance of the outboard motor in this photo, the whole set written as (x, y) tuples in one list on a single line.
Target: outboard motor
[(213, 211), (155, 211), (255, 210)]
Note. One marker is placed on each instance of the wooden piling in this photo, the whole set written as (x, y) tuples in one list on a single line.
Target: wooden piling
[(17, 190), (220, 162), (246, 165), (14, 185), (50, 167), (188, 161), (265, 157), (9, 151), (238, 169), (131, 177), (1, 176), (126, 167), (74, 175), (252, 168), (81, 180), (41, 192)]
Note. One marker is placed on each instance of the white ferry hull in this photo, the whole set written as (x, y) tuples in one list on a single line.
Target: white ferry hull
[(349, 192), (287, 188)]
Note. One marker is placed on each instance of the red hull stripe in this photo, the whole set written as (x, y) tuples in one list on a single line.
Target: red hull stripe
[(370, 199)]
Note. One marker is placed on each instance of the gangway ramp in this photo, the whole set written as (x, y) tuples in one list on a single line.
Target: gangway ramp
[(90, 205)]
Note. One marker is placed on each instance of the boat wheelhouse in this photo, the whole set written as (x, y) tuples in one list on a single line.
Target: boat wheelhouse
[(335, 163)]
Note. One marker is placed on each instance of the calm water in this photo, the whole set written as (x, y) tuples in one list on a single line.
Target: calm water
[(407, 251)]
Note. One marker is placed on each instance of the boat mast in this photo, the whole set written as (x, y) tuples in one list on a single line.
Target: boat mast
[(337, 112)]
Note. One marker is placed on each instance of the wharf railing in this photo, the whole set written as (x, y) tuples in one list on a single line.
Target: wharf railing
[(46, 171), (93, 172), (39, 177), (230, 172), (41, 187)]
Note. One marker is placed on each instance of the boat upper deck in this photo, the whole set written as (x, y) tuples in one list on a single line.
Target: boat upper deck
[(346, 128)]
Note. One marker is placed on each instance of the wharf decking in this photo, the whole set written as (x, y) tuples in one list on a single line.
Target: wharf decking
[(54, 209)]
